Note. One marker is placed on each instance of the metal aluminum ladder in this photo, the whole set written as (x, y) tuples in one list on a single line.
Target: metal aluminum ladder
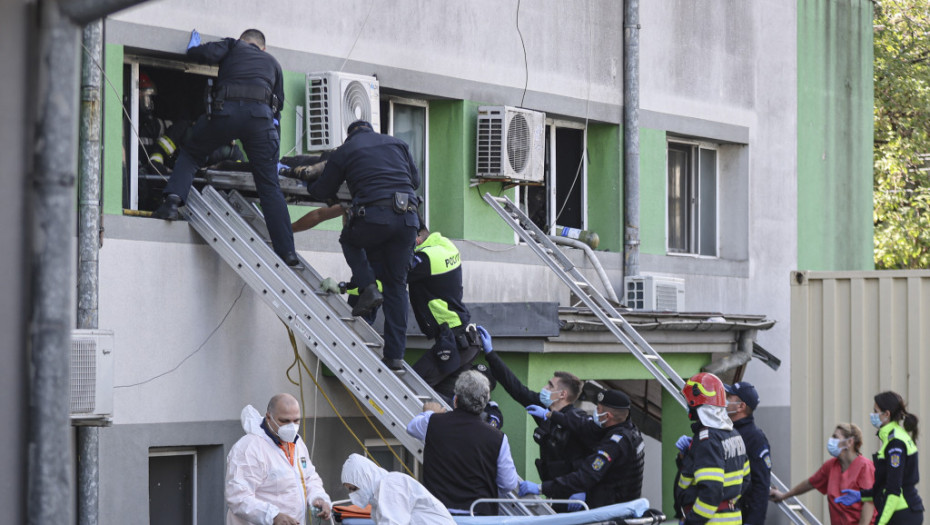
[(235, 228), (565, 269)]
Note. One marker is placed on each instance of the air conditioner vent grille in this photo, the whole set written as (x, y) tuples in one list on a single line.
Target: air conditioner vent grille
[(655, 294), (518, 142), (83, 375)]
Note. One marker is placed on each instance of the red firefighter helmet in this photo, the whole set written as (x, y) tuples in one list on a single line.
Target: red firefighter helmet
[(705, 389), (145, 82)]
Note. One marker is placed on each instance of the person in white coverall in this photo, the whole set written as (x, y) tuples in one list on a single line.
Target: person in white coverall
[(395, 498), (269, 477)]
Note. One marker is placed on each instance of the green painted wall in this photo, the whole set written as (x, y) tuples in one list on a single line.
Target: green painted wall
[(456, 209), (113, 130), (605, 185), (652, 181), (835, 101)]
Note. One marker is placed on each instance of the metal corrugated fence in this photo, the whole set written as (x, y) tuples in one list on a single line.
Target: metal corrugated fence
[(854, 334)]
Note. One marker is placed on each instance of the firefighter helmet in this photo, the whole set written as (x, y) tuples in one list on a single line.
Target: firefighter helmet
[(705, 389), (147, 92)]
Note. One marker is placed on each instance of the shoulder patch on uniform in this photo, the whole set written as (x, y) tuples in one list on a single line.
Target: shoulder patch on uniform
[(597, 464), (303, 462), (616, 438), (768, 460), (895, 460), (704, 434)]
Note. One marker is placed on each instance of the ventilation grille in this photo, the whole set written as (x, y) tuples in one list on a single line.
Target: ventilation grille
[(655, 294), (490, 143), (318, 122), (83, 375)]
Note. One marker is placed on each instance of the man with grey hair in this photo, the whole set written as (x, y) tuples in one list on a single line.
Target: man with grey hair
[(464, 458)]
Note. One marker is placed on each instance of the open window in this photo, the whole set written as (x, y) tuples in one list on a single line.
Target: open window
[(408, 120), (562, 199), (692, 198), (163, 98)]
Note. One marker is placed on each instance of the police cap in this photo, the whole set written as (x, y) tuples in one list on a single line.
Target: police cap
[(613, 399), (746, 392)]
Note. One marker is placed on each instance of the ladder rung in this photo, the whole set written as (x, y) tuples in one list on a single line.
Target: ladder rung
[(371, 344), (651, 356), (347, 319)]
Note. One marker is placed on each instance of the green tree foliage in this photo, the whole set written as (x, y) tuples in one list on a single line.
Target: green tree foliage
[(902, 134)]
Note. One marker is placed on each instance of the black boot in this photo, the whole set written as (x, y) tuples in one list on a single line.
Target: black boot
[(396, 365), (291, 259), (169, 208), (368, 300)]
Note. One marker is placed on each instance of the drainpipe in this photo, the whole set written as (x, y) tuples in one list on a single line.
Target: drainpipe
[(52, 203), (89, 240), (631, 137)]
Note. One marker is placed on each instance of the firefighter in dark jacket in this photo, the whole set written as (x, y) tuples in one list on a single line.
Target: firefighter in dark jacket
[(559, 448), (894, 493), (614, 472), (246, 106), (382, 178), (742, 400), (713, 471), (435, 283)]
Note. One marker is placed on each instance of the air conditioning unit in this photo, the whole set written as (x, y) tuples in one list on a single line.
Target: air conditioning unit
[(335, 100), (511, 144), (655, 294), (92, 377)]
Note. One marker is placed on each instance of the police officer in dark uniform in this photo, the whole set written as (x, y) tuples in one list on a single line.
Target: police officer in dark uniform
[(248, 94), (560, 449), (435, 282), (713, 469), (382, 178), (614, 472), (894, 493), (742, 400)]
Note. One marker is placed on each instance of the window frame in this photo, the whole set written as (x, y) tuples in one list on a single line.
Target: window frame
[(392, 100), (694, 210)]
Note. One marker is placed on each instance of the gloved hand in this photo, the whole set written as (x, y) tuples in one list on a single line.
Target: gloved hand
[(849, 497), (329, 285), (527, 487), (485, 340), (683, 443), (282, 168), (575, 507), (195, 39), (276, 122), (537, 411)]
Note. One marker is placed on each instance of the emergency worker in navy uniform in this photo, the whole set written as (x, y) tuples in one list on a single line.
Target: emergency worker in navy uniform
[(613, 473), (246, 100), (742, 400), (382, 178), (713, 469), (897, 501), (560, 449), (435, 282)]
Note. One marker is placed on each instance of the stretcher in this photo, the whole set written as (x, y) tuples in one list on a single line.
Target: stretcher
[(636, 512)]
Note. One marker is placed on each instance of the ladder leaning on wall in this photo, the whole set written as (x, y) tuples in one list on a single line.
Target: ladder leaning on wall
[(565, 269), (235, 228)]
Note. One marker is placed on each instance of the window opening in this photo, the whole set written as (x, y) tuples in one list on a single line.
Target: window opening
[(692, 199), (562, 199), (408, 120)]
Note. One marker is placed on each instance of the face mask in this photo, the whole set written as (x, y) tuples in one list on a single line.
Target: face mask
[(288, 432), (833, 446), (876, 419), (598, 416), (360, 498), (732, 404), (545, 397)]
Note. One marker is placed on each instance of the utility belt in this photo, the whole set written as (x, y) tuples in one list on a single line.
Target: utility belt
[(727, 506), (400, 204), (244, 93)]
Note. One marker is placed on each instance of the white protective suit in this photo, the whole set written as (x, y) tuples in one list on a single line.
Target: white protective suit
[(261, 482), (395, 498)]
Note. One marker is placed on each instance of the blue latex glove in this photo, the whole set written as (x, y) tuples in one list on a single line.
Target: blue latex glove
[(276, 122), (195, 39), (283, 167), (683, 443), (537, 411), (849, 497), (575, 507), (527, 487), (485, 340)]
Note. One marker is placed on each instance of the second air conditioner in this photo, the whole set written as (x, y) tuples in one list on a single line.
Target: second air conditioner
[(654, 294), (511, 144), (335, 100), (92, 377)]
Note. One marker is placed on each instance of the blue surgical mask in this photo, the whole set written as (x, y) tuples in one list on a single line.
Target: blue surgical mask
[(545, 397), (876, 419), (833, 446), (598, 416)]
